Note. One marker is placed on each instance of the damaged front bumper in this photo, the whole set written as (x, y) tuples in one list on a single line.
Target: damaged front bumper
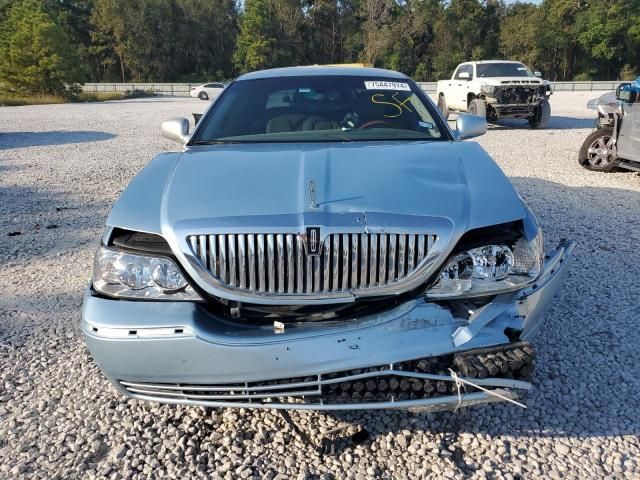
[(416, 356)]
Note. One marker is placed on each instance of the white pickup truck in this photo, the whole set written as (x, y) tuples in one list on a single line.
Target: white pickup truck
[(496, 89)]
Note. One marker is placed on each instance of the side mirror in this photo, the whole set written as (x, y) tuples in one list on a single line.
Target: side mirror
[(464, 76), (623, 92), (537, 74), (469, 126), (176, 129)]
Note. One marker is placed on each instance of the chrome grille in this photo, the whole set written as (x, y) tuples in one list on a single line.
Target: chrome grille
[(277, 263)]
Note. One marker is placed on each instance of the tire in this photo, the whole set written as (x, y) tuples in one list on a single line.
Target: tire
[(600, 140), (478, 108), (541, 115), (203, 96), (442, 106)]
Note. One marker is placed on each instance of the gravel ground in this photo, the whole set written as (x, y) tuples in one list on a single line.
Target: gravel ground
[(62, 166)]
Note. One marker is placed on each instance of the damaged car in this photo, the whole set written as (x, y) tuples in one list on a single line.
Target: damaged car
[(322, 241), (495, 89), (615, 144)]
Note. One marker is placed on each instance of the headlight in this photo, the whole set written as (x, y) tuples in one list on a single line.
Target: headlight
[(488, 89), (489, 270), (128, 275)]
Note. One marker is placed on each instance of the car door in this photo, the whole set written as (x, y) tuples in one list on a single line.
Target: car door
[(213, 89), (629, 137), (457, 99)]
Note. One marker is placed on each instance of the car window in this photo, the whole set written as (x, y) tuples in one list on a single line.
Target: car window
[(320, 108), (208, 85), (505, 69), (461, 68)]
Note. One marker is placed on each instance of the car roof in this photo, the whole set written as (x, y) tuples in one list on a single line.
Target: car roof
[(496, 61), (318, 70)]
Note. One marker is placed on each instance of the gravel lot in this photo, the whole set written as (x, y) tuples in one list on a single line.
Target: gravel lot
[(62, 166)]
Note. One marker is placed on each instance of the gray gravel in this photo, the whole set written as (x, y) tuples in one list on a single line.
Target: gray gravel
[(62, 166)]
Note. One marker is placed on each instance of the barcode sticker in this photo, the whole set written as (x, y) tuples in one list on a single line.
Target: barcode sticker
[(380, 85)]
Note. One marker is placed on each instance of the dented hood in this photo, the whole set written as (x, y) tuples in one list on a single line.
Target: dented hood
[(229, 184)]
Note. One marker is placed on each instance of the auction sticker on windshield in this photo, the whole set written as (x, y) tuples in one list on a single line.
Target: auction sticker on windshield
[(380, 85)]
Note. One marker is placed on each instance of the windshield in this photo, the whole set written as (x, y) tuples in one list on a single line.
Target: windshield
[(317, 109), (514, 69)]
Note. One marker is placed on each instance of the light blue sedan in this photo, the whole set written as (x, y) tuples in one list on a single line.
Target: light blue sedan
[(322, 241)]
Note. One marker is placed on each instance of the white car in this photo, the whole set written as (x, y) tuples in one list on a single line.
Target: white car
[(207, 90), (495, 89)]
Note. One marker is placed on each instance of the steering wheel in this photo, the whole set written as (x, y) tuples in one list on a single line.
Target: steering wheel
[(372, 123)]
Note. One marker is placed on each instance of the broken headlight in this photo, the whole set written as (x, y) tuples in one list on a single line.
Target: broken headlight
[(122, 274), (489, 270), (489, 90)]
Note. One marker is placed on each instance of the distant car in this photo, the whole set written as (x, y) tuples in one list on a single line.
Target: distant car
[(207, 91), (495, 89)]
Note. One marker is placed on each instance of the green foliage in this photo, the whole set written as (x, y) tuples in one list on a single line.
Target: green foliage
[(256, 44), (34, 51), (45, 44), (628, 72)]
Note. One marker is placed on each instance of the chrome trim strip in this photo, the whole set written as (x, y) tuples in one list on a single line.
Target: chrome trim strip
[(364, 259), (242, 261), (271, 264), (373, 262), (402, 255), (344, 248), (299, 266), (223, 259), (449, 402), (252, 261), (280, 274), (291, 276), (382, 259), (232, 259), (213, 256), (393, 258), (262, 281), (326, 260), (354, 261), (411, 251)]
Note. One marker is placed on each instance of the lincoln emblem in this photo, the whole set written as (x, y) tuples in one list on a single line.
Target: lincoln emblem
[(313, 240)]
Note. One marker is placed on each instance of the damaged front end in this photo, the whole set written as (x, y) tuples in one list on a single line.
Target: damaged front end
[(514, 100), (419, 355)]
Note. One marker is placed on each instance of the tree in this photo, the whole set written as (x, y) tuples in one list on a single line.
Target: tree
[(606, 33), (377, 15), (519, 33), (34, 51), (257, 40)]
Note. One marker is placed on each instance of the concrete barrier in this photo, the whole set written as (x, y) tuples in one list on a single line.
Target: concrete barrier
[(182, 89)]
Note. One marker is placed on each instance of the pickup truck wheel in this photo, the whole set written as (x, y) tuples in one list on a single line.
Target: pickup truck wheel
[(541, 115), (478, 108), (598, 152), (203, 96), (442, 106)]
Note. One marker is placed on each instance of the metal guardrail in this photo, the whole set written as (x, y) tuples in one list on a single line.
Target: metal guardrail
[(173, 89), (430, 87), (182, 89)]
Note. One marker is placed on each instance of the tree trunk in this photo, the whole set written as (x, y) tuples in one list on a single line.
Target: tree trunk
[(122, 68)]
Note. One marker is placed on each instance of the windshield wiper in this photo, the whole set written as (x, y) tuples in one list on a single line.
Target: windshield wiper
[(214, 142)]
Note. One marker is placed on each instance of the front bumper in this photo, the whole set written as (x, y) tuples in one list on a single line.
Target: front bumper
[(180, 353)]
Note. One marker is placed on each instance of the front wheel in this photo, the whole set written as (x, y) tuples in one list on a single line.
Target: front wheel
[(203, 96), (478, 108), (442, 106), (541, 115), (598, 151)]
